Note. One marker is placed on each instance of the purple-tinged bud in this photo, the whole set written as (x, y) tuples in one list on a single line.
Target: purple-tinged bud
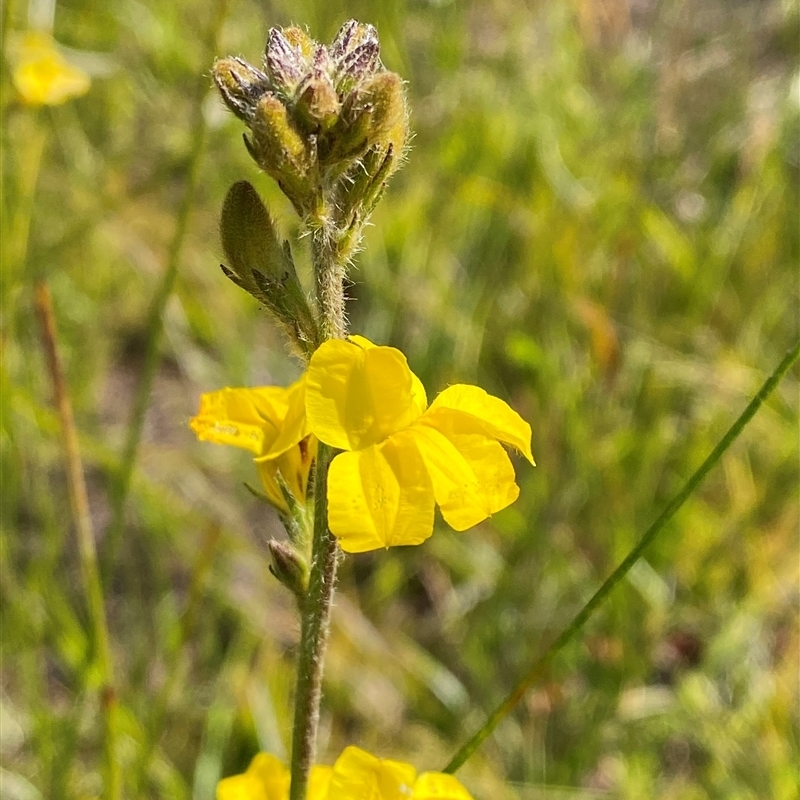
[(286, 63), (356, 55), (240, 85), (357, 65), (352, 34)]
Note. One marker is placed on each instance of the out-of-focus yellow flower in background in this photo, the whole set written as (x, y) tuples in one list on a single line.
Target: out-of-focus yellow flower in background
[(270, 422), (266, 779), (41, 74), (356, 775), (404, 457)]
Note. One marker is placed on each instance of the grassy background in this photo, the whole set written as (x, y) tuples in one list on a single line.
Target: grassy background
[(598, 221)]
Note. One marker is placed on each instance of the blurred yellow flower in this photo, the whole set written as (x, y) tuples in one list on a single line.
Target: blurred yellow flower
[(266, 779), (42, 76), (270, 422), (356, 775), (403, 457)]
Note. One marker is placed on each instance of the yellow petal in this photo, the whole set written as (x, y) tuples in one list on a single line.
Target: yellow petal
[(471, 473), (293, 465), (248, 418), (496, 416), (271, 775), (319, 783), (380, 497), (268, 474), (240, 787), (359, 395), (418, 395), (438, 786), (357, 775), (361, 341), (292, 425)]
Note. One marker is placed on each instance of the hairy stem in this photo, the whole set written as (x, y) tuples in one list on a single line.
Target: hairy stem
[(316, 607), (79, 504), (314, 635), (329, 269), (540, 666)]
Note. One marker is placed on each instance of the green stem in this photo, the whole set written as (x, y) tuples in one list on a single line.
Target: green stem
[(329, 270), (316, 607), (539, 667), (79, 503), (7, 19), (316, 611), (155, 317)]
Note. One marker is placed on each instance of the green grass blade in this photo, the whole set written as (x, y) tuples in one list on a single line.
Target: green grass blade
[(569, 633), (155, 317)]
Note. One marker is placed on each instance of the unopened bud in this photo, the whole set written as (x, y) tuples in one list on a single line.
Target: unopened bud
[(289, 567), (317, 104), (374, 114), (240, 85), (356, 55), (350, 37), (282, 151), (262, 265), (356, 199), (287, 58)]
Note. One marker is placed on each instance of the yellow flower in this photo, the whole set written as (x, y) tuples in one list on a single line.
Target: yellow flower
[(356, 775), (402, 457), (270, 422), (266, 779), (42, 76)]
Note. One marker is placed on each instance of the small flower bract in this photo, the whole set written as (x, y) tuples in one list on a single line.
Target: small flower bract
[(402, 456), (356, 775), (42, 76)]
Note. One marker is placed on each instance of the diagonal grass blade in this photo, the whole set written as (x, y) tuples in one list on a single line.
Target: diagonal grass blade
[(575, 627)]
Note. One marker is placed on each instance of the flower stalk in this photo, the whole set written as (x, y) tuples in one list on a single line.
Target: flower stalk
[(316, 613), (329, 270), (79, 504), (329, 125)]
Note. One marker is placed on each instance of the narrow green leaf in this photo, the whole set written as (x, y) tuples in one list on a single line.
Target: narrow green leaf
[(539, 667)]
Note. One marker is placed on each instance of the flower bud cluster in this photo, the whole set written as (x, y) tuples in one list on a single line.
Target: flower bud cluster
[(328, 123)]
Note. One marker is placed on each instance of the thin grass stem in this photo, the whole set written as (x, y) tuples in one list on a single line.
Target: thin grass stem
[(539, 667), (155, 317), (176, 666), (79, 504)]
